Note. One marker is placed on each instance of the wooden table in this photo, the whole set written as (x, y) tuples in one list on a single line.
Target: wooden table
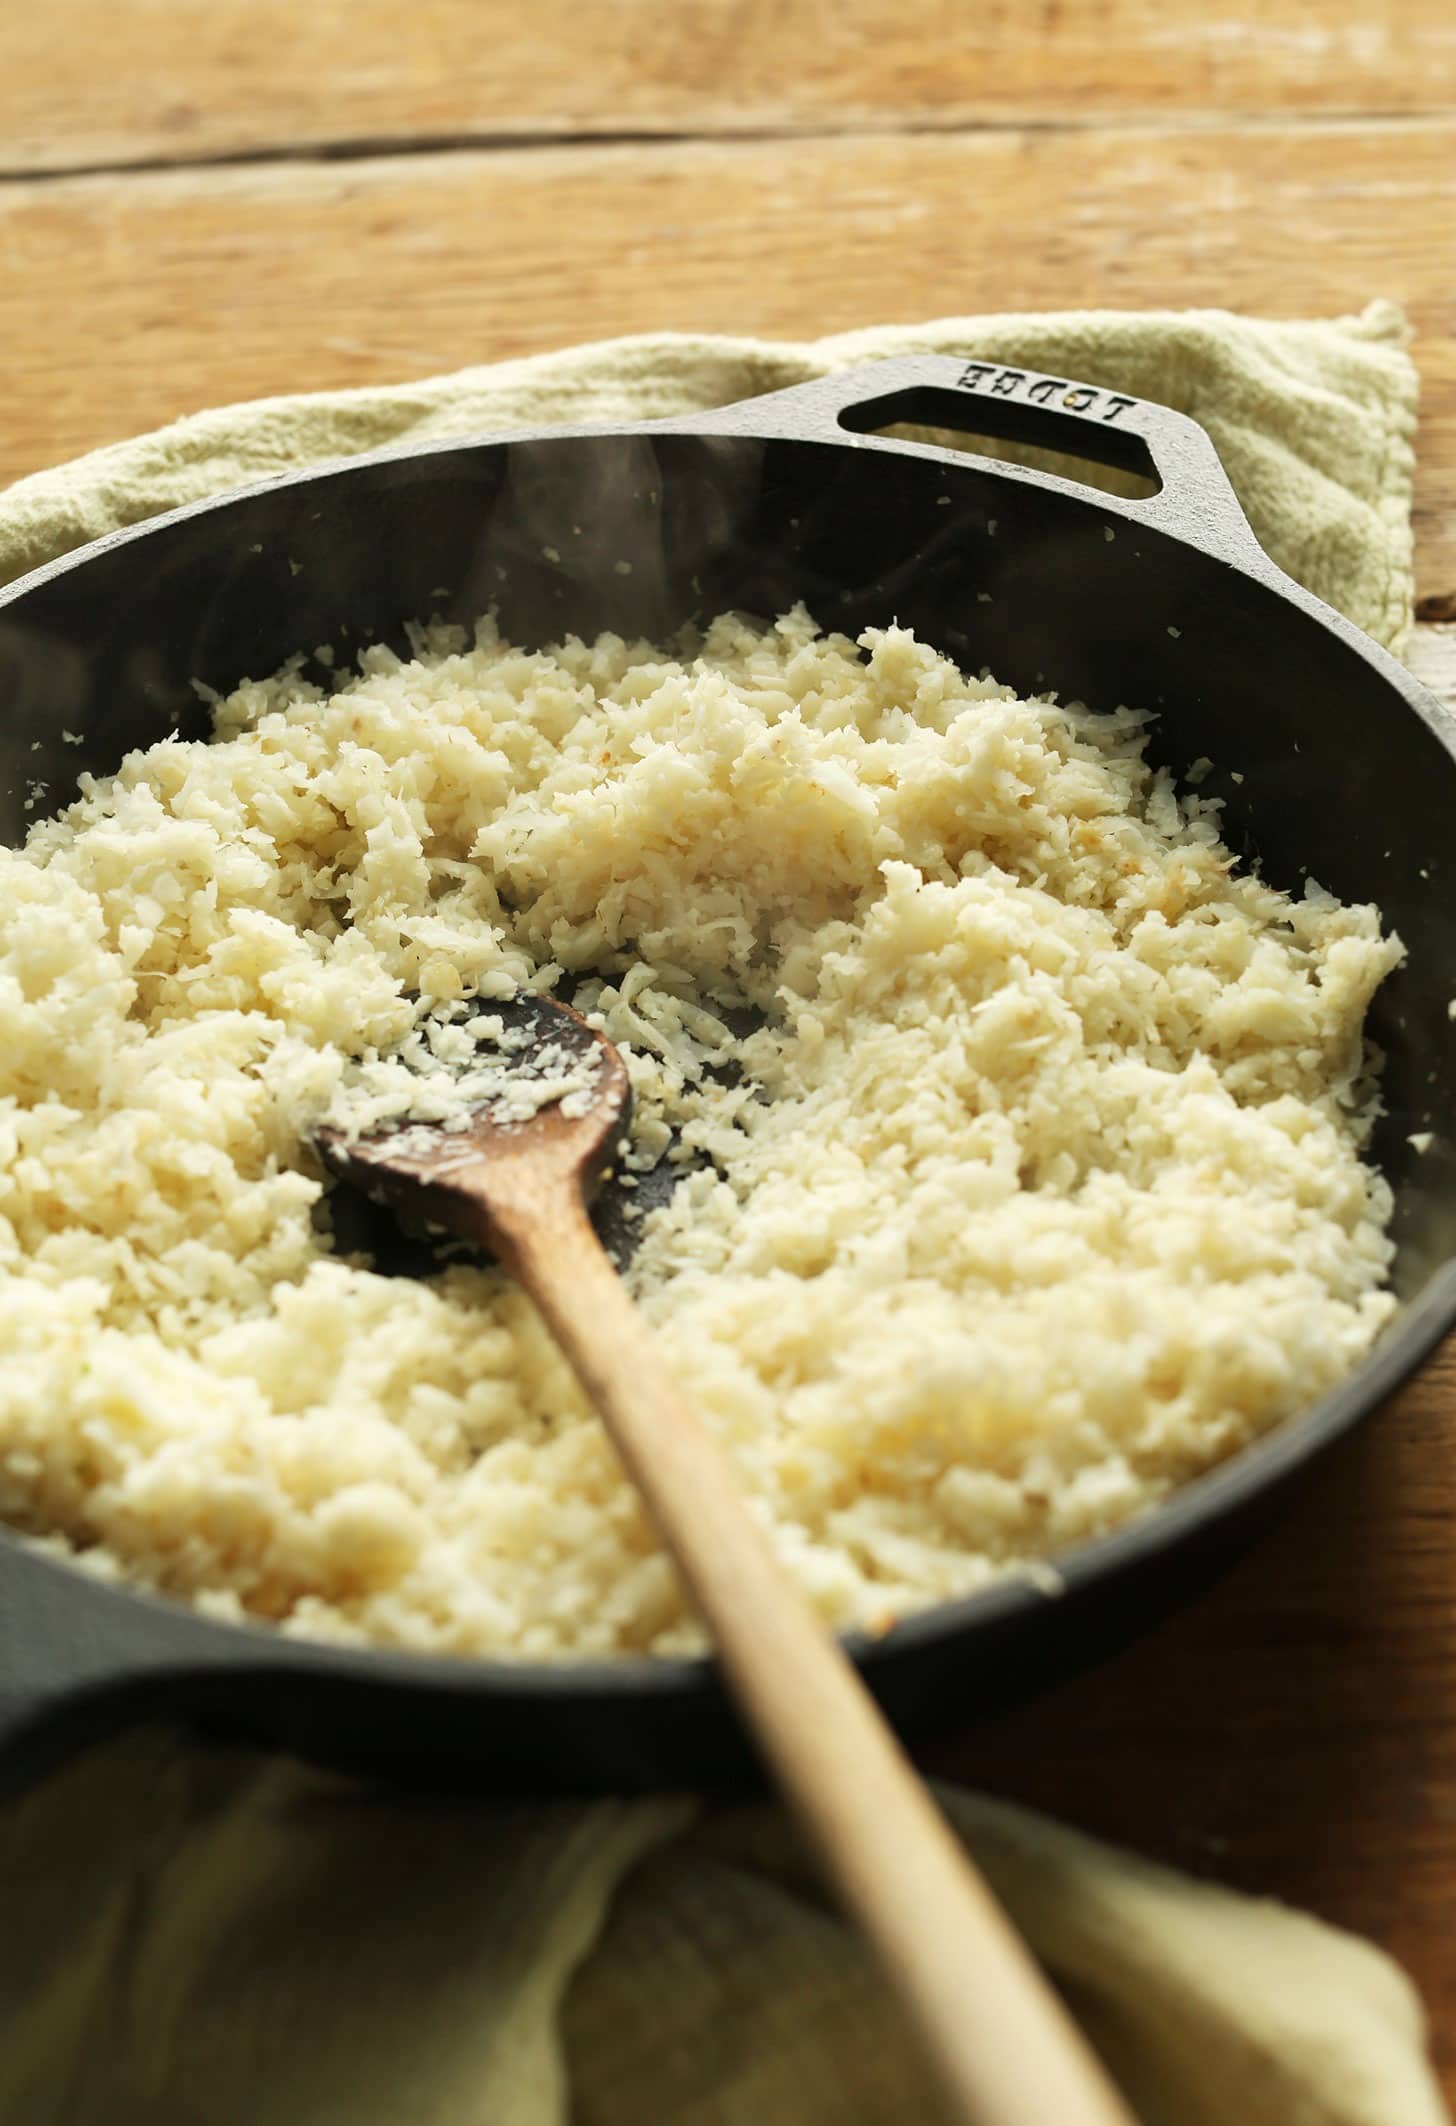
[(202, 200)]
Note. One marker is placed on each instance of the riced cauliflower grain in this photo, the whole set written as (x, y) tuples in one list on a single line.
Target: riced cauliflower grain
[(1037, 1191)]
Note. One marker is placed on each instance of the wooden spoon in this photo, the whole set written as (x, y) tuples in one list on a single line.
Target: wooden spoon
[(1006, 2050)]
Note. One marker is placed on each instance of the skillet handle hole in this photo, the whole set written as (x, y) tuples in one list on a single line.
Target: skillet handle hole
[(1115, 461)]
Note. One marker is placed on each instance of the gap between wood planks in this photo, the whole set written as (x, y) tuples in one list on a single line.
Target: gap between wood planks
[(373, 147)]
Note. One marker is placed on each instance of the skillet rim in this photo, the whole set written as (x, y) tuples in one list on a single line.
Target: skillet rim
[(1196, 508)]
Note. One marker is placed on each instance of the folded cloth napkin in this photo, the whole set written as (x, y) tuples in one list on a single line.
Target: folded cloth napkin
[(200, 1937)]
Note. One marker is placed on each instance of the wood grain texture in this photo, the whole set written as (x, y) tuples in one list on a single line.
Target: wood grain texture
[(125, 304), (83, 82)]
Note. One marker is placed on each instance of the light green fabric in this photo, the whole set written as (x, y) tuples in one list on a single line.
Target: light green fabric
[(193, 1938), (197, 1939)]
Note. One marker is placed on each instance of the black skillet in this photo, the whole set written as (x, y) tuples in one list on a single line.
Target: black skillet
[(1345, 769)]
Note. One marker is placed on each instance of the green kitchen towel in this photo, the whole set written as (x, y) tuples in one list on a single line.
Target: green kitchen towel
[(196, 1937)]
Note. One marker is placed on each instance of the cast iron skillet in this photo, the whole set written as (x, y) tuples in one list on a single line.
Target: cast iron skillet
[(1347, 771)]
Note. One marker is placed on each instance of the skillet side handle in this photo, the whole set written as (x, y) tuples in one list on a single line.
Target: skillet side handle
[(1194, 499)]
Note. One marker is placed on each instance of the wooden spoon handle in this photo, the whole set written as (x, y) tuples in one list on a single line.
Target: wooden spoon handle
[(1006, 2049)]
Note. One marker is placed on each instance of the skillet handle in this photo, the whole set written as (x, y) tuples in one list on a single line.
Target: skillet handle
[(1194, 500)]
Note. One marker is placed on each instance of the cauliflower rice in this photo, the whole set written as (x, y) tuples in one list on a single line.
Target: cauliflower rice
[(1037, 1191)]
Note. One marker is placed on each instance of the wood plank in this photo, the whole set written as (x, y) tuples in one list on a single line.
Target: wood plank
[(188, 79), (123, 304)]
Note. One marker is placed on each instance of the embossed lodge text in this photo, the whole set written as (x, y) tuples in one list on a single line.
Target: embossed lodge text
[(1041, 390)]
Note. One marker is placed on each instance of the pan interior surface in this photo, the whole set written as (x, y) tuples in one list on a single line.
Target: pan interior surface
[(1324, 768)]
